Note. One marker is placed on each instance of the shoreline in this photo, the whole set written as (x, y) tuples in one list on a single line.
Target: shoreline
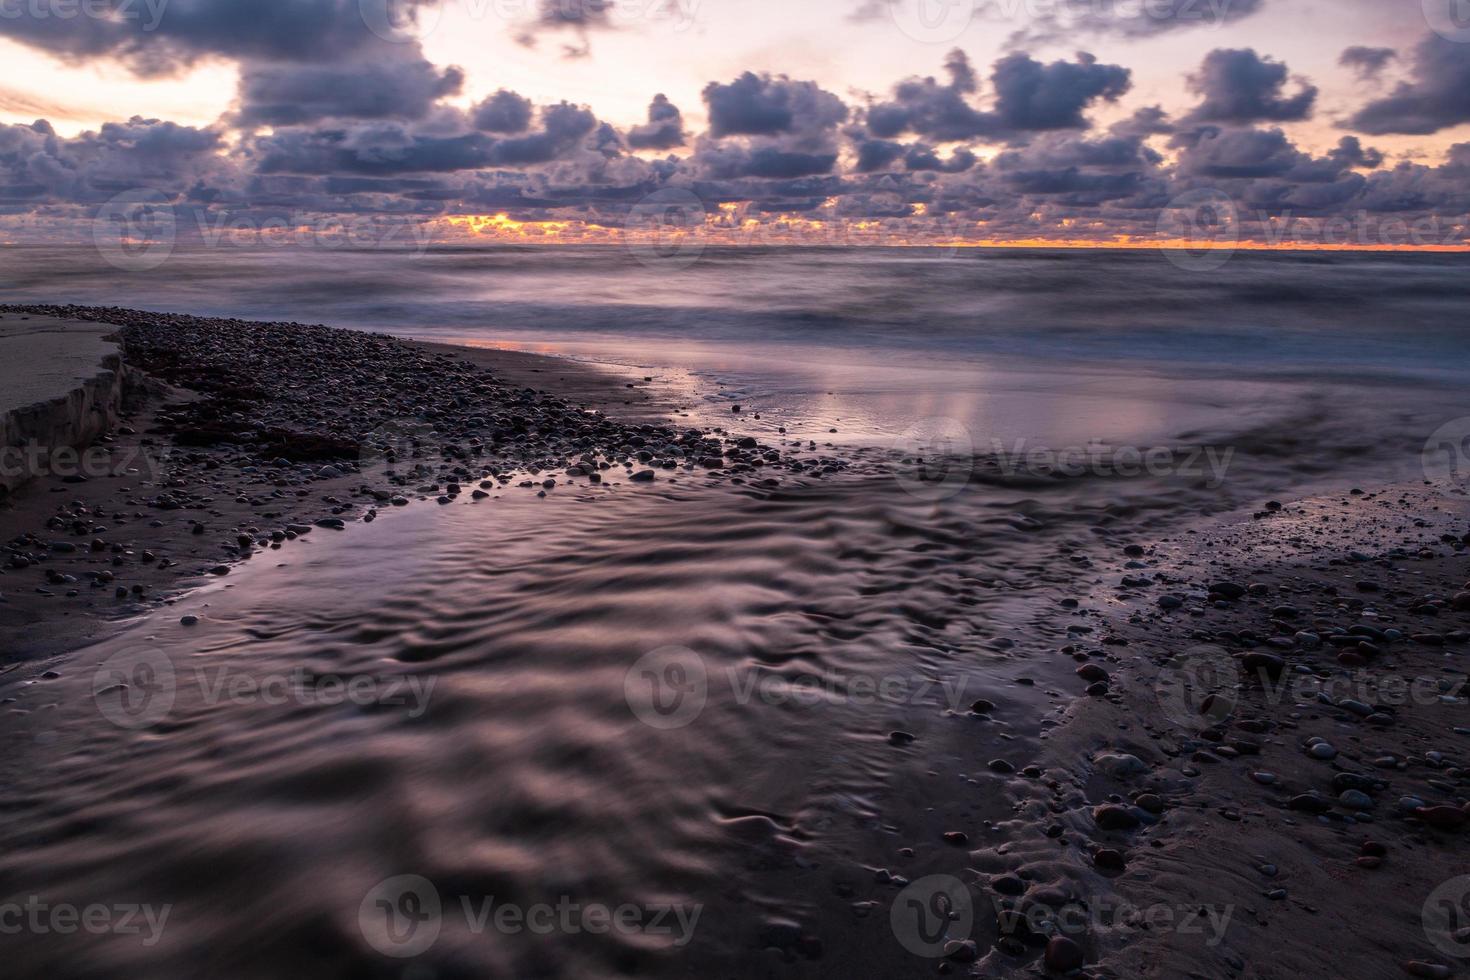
[(1180, 772), (253, 438)]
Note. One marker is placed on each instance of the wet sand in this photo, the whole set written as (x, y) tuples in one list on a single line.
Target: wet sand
[(193, 480), (941, 724)]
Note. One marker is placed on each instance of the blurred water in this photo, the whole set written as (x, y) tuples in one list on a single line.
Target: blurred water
[(1058, 347), (528, 771)]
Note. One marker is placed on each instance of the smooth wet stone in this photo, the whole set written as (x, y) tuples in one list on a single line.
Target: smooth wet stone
[(1110, 816), (1322, 751), (1120, 765), (1063, 955)]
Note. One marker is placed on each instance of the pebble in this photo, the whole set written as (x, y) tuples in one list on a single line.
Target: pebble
[(1063, 955)]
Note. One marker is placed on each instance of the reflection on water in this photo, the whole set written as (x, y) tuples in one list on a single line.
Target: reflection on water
[(680, 700)]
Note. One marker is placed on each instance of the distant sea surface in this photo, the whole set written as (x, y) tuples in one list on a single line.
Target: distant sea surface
[(1059, 347)]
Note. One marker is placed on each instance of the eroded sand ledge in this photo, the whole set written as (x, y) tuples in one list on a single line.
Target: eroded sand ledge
[(62, 384)]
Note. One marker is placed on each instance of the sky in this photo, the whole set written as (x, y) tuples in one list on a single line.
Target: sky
[(1336, 122)]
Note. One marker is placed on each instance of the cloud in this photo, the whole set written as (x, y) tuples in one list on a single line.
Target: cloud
[(1127, 19), (401, 86), (664, 129), (1030, 97), (392, 149), (579, 16), (162, 37), (503, 112), (760, 105), (37, 165), (1436, 97), (1367, 63), (1240, 87)]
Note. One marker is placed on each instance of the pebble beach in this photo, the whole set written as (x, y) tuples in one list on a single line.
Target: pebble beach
[(1097, 735)]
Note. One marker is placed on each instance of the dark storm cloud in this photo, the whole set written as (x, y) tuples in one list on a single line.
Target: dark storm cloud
[(1029, 97), (157, 37), (1350, 152), (1239, 86), (875, 155), (729, 161), (920, 157), (375, 88), (1437, 96), (503, 112), (762, 105), (1367, 63), (36, 163), (664, 129), (392, 149)]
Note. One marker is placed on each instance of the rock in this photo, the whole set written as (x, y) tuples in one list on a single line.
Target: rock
[(189, 620), (982, 707), (1149, 802), (1442, 817), (1092, 673), (1110, 816), (961, 951), (956, 837), (1322, 751), (332, 523), (1227, 590), (1063, 955), (1120, 765), (1258, 663), (1170, 601), (1433, 971), (643, 476), (1310, 803), (1355, 799), (900, 738)]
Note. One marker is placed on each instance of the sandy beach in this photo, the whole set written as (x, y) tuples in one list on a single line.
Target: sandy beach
[(996, 724)]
